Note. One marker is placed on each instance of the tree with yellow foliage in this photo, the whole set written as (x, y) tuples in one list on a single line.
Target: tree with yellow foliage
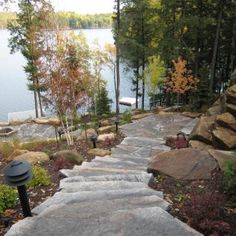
[(181, 79)]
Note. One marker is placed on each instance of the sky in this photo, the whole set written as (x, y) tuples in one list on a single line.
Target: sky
[(80, 6), (84, 6)]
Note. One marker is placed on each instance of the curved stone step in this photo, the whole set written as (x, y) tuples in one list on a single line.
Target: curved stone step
[(86, 196), (152, 221)]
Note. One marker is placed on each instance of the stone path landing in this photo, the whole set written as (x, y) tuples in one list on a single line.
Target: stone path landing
[(110, 196)]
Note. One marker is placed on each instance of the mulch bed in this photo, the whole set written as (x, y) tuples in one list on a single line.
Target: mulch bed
[(40, 194), (179, 193)]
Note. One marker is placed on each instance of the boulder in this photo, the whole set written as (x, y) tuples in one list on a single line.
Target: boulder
[(41, 121), (223, 157), (54, 121), (104, 137), (33, 157), (136, 112), (107, 129), (216, 108), (90, 133), (184, 164), (200, 145), (106, 123), (70, 155), (231, 108), (99, 152), (16, 153), (224, 138), (202, 131), (141, 116), (192, 115), (231, 95), (226, 120)]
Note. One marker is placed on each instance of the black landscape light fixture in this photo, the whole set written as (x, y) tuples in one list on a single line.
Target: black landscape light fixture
[(17, 174), (117, 125), (94, 140)]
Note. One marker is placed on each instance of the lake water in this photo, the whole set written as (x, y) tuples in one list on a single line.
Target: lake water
[(14, 95)]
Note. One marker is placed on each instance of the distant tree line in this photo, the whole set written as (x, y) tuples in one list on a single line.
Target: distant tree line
[(68, 20)]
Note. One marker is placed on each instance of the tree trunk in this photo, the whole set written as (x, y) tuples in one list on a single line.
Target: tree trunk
[(143, 61), (40, 104), (215, 50), (137, 85), (117, 59), (233, 55)]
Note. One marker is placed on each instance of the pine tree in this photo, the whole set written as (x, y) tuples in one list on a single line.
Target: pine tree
[(26, 36), (103, 102)]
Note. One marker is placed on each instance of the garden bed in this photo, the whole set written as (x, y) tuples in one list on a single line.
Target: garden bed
[(201, 204)]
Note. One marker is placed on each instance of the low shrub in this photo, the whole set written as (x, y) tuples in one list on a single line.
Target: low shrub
[(61, 163), (8, 197), (229, 180), (6, 149), (204, 212), (40, 177), (126, 116)]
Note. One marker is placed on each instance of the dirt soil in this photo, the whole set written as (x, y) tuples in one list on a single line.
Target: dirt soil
[(179, 193)]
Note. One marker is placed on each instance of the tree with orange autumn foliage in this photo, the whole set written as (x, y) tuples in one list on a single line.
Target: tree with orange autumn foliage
[(64, 71), (181, 79)]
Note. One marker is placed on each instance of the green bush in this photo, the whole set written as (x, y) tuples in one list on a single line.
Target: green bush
[(103, 102), (126, 116), (8, 198), (229, 181), (40, 177), (6, 149)]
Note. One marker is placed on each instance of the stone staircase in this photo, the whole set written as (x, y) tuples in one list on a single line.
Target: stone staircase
[(109, 196)]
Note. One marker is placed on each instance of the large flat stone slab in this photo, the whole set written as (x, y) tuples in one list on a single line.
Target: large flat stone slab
[(139, 222), (187, 164), (96, 172), (117, 165), (99, 185), (90, 196), (143, 177)]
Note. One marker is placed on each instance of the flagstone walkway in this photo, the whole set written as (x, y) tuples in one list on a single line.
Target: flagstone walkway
[(110, 196)]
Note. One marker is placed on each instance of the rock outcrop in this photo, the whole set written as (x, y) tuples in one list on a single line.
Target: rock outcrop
[(218, 127), (185, 164)]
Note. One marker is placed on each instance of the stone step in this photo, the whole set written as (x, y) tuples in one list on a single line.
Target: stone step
[(131, 150), (142, 141), (90, 196), (115, 168), (97, 172), (99, 185), (116, 158), (152, 221), (102, 206), (132, 158), (117, 165), (143, 177)]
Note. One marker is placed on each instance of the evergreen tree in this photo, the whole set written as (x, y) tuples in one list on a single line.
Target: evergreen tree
[(27, 34), (103, 102)]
